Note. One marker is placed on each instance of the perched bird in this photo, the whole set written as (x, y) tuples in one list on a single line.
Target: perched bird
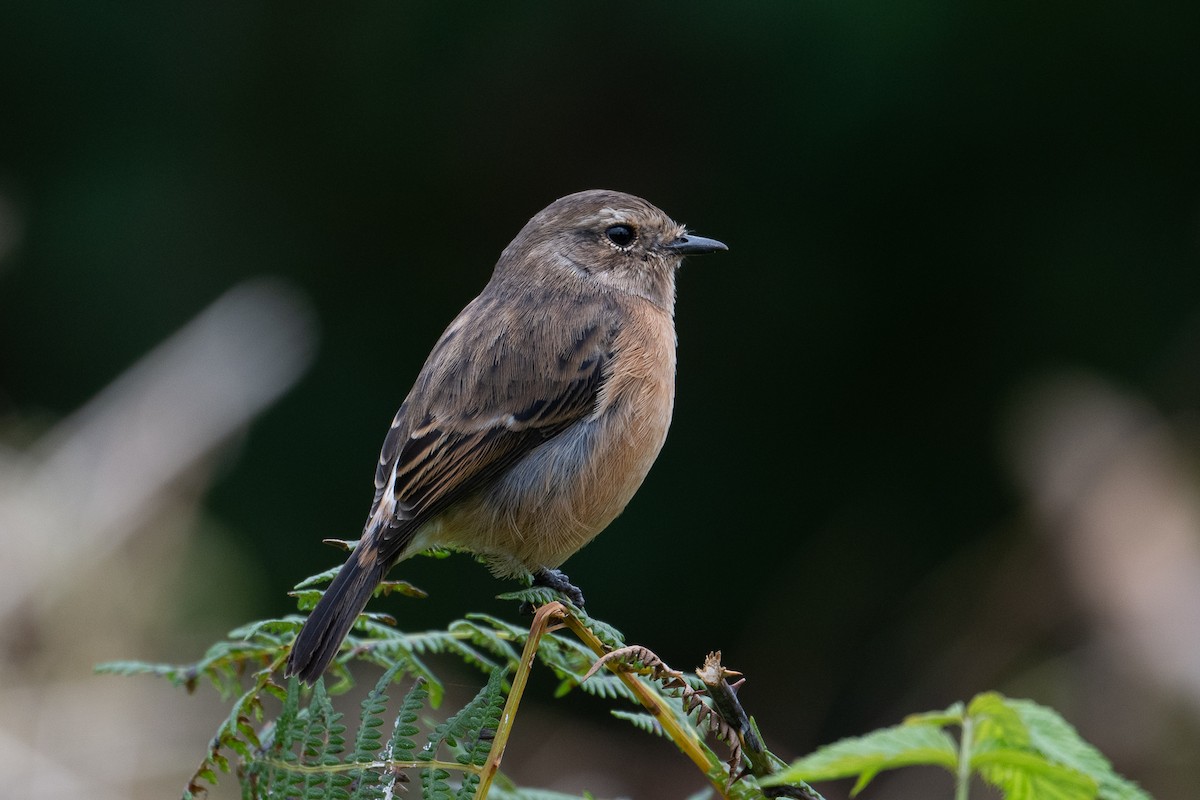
[(538, 413)]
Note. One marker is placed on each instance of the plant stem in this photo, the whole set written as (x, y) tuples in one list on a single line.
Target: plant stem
[(541, 621), (963, 784), (683, 737)]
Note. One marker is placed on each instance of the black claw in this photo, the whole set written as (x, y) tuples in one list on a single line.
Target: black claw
[(558, 581)]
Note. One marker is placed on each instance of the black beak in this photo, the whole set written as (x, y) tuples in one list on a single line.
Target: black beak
[(691, 245)]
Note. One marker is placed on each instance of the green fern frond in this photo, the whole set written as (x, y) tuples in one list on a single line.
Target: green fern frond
[(606, 633), (457, 641), (468, 723), (605, 686), (540, 596), (537, 596), (568, 657), (497, 637), (385, 646), (640, 720), (249, 649), (403, 746), (369, 740), (306, 599), (287, 734), (322, 577), (320, 742), (479, 722), (1025, 750), (268, 630), (504, 631)]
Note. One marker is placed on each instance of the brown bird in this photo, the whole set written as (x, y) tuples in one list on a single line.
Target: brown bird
[(538, 413)]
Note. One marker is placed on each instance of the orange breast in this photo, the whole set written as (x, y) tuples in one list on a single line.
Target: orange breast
[(556, 499)]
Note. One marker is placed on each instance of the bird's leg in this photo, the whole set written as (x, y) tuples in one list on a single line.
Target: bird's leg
[(558, 581)]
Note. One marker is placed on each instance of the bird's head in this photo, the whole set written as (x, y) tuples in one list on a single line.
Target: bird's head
[(617, 240)]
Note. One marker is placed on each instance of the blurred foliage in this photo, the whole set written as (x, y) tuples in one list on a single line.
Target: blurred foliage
[(928, 204)]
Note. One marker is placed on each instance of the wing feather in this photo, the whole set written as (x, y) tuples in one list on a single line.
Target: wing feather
[(479, 405)]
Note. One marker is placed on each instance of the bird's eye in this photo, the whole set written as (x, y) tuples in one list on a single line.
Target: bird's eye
[(621, 235)]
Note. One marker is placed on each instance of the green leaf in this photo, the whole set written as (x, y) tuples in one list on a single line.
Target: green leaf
[(306, 599), (538, 596), (996, 723), (402, 747), (387, 588), (1023, 775), (866, 756), (134, 668), (479, 726), (640, 719), (602, 684), (324, 576), (1030, 751), (368, 741), (1059, 742), (951, 716), (273, 629), (396, 649)]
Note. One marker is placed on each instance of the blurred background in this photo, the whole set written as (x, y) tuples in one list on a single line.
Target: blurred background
[(936, 428)]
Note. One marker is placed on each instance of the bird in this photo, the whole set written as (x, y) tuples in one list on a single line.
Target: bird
[(537, 414)]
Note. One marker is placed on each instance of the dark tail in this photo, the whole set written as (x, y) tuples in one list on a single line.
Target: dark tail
[(328, 624)]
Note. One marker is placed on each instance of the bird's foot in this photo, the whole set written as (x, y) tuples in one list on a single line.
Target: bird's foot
[(558, 581)]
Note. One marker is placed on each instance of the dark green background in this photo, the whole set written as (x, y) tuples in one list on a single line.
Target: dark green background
[(928, 204)]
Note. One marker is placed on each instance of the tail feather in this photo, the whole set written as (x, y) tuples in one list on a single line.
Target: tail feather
[(321, 637)]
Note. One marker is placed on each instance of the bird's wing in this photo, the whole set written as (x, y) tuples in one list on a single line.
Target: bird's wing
[(491, 391)]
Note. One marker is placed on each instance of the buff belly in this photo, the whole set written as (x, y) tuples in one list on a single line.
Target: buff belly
[(556, 499)]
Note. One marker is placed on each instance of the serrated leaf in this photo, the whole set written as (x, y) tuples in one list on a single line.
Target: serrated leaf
[(272, 628), (951, 716), (605, 685), (996, 724), (887, 748), (537, 596), (368, 741), (1060, 743), (640, 720), (401, 746), (606, 633), (324, 576), (397, 650), (388, 588), (479, 715), (1022, 775), (514, 633), (133, 668), (306, 599), (276, 691)]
